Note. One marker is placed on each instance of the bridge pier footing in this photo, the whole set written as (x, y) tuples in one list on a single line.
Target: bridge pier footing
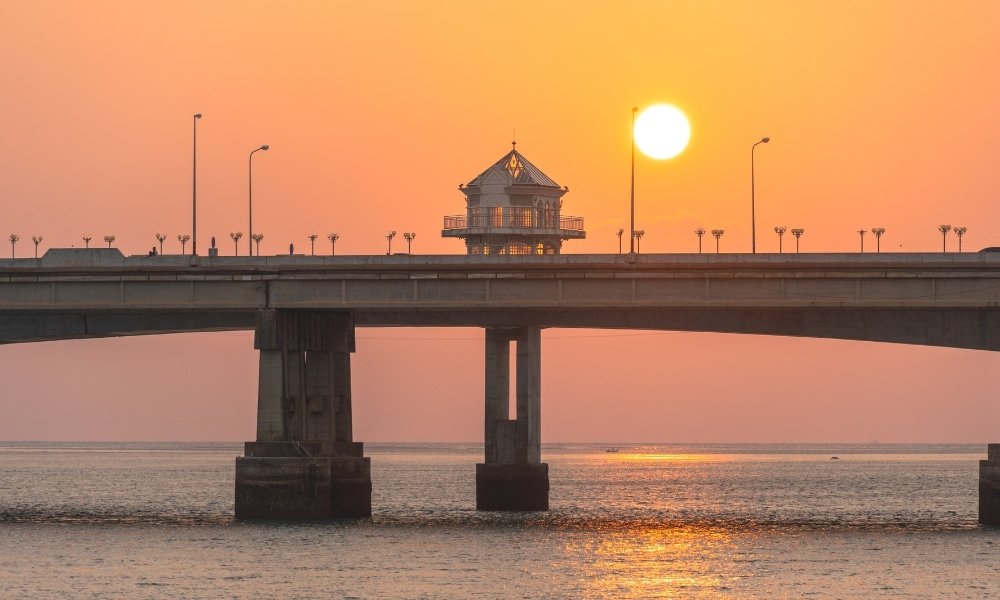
[(304, 463), (989, 487), (513, 478)]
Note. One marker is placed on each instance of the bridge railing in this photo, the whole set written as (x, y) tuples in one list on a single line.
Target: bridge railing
[(514, 217)]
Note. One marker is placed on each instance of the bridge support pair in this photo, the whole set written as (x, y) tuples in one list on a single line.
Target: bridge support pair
[(305, 462), (513, 478)]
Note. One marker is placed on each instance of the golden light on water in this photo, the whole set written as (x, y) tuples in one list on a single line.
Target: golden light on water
[(662, 131)]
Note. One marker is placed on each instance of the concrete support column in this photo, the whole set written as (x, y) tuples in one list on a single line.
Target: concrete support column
[(989, 486), (513, 478), (304, 462)]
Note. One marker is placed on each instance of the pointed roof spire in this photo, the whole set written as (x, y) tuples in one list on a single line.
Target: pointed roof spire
[(517, 169)]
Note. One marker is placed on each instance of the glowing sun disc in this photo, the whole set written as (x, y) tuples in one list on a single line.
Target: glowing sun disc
[(662, 131)]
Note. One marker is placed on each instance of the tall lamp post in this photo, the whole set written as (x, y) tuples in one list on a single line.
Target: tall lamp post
[(877, 232), (960, 231), (250, 188), (699, 232), (194, 189), (781, 234), (631, 247), (797, 233), (619, 233), (753, 199), (944, 229)]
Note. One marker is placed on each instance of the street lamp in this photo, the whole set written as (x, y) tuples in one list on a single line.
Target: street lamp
[(194, 187), (753, 199), (797, 233), (944, 229), (160, 237), (781, 234), (109, 239), (250, 189), (183, 239), (409, 240), (312, 244), (333, 237), (86, 240), (960, 231), (877, 232), (236, 242), (718, 234), (38, 240), (389, 237), (13, 241), (631, 247), (637, 235), (699, 232), (257, 237), (619, 233), (862, 233)]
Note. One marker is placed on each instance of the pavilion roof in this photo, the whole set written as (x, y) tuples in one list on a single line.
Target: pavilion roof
[(518, 170)]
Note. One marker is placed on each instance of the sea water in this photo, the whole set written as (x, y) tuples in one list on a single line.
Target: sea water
[(96, 520)]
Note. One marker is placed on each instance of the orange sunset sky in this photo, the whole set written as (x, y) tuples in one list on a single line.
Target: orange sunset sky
[(880, 114)]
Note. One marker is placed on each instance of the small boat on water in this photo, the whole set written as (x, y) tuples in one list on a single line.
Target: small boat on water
[(834, 458), (612, 450)]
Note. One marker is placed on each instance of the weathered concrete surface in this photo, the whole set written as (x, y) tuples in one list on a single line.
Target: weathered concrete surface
[(513, 477), (512, 487), (929, 299), (303, 488), (989, 487)]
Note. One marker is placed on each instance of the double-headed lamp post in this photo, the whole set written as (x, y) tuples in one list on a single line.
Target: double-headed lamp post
[(718, 234), (637, 236), (619, 233), (960, 231), (312, 244), (333, 237), (110, 239), (257, 237), (753, 197), (877, 232), (183, 239), (699, 232), (944, 229), (780, 230), (409, 236), (38, 240), (388, 238), (862, 233), (236, 237), (250, 189), (160, 237), (13, 242), (797, 233)]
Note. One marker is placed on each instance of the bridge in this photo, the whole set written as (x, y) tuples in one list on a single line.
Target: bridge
[(304, 310)]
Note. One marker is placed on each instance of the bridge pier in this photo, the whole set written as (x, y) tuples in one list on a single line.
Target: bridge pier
[(513, 478), (989, 486), (305, 462)]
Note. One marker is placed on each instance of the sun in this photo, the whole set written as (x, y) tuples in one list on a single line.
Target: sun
[(662, 131)]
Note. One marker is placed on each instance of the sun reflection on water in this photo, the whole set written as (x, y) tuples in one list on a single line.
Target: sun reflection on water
[(636, 560)]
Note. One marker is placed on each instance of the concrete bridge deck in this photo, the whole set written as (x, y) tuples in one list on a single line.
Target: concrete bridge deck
[(933, 299)]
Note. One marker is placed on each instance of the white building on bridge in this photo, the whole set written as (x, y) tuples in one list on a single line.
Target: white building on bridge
[(513, 208)]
